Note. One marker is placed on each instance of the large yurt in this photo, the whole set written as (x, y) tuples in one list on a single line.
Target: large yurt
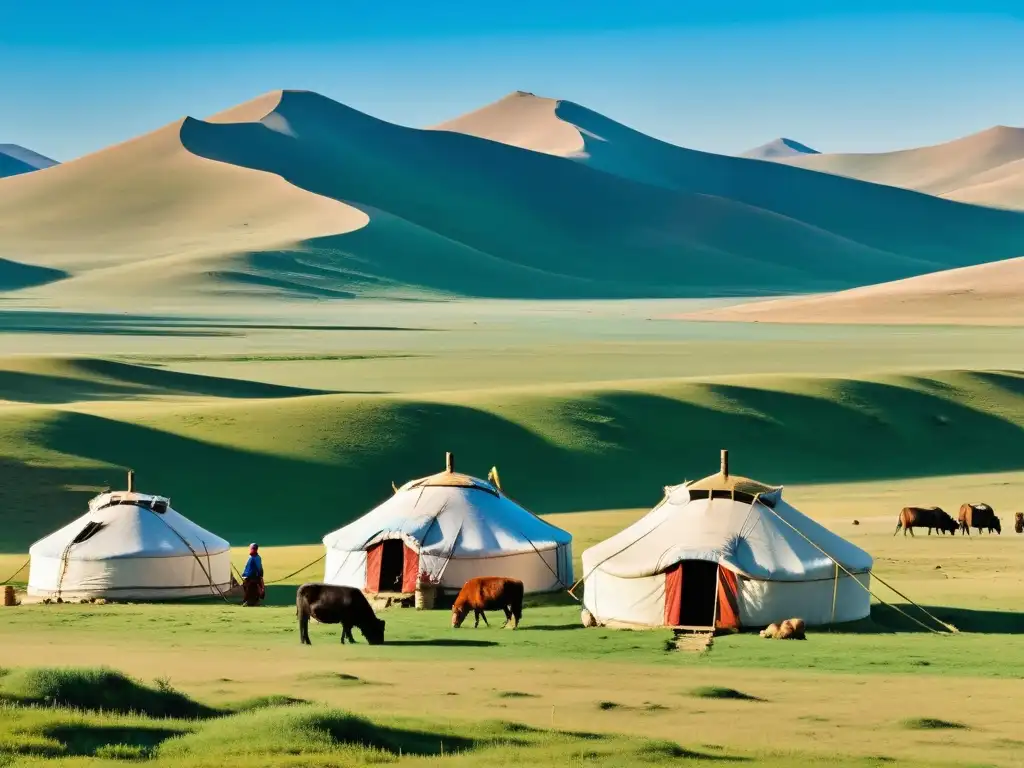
[(129, 545), (725, 552), (449, 527)]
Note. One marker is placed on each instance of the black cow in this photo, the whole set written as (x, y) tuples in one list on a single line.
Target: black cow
[(331, 604), (979, 516), (925, 517)]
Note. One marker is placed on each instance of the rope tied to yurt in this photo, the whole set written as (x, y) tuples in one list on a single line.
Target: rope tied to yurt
[(857, 581), (10, 578), (584, 577), (206, 573), (296, 573)]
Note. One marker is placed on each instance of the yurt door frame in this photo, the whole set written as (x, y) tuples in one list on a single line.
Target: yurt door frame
[(691, 580), (392, 566)]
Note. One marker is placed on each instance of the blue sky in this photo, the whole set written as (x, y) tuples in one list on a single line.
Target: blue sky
[(723, 76)]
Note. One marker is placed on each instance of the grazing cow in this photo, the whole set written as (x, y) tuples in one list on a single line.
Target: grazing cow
[(925, 517), (1018, 522), (331, 604), (489, 593), (979, 516)]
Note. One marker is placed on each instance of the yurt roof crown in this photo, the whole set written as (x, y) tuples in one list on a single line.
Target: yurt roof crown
[(449, 478), (728, 486), (131, 497)]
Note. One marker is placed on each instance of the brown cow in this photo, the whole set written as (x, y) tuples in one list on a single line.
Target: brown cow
[(1018, 522), (489, 593), (925, 517), (980, 516)]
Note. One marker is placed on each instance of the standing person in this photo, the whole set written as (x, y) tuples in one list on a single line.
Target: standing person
[(252, 578)]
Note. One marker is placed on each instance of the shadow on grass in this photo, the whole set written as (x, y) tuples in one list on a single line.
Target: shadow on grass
[(657, 751), (550, 627), (89, 740), (886, 620), (307, 731), (443, 642), (97, 689)]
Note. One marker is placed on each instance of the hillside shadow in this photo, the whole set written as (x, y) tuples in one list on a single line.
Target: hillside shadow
[(885, 217), (92, 740), (610, 453), (103, 324), (14, 275), (106, 380)]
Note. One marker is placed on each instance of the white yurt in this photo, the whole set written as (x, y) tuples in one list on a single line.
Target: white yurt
[(725, 552), (133, 546), (451, 527)]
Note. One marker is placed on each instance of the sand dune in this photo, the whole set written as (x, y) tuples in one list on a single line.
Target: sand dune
[(295, 194), (777, 148), (521, 119), (884, 218), (982, 168), (15, 160), (986, 294)]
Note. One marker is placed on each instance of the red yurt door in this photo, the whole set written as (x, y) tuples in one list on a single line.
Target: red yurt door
[(700, 594), (391, 566)]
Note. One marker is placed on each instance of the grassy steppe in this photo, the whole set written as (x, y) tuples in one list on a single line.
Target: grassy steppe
[(281, 425)]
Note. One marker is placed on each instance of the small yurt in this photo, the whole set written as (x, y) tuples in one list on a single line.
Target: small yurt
[(449, 527), (725, 552), (133, 546)]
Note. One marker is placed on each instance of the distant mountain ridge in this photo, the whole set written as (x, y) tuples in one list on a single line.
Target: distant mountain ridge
[(293, 194), (15, 160), (781, 147), (984, 168)]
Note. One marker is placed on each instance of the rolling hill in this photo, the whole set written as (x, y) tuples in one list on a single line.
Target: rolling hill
[(986, 294), (15, 160), (777, 148), (985, 168), (293, 194), (319, 461)]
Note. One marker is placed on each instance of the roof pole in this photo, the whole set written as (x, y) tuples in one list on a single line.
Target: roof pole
[(131, 481), (725, 463), (449, 462)]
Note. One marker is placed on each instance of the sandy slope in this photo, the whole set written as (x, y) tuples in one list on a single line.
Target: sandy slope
[(987, 294), (15, 160), (982, 168), (293, 193), (524, 120), (888, 219), (779, 148)]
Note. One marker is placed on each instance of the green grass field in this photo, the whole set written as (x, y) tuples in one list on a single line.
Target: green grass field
[(282, 428)]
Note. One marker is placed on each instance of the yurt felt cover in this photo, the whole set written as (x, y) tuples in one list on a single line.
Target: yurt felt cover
[(744, 526), (123, 546), (450, 516)]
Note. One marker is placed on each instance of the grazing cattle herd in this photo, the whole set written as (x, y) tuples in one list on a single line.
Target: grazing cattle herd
[(348, 606), (980, 516)]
